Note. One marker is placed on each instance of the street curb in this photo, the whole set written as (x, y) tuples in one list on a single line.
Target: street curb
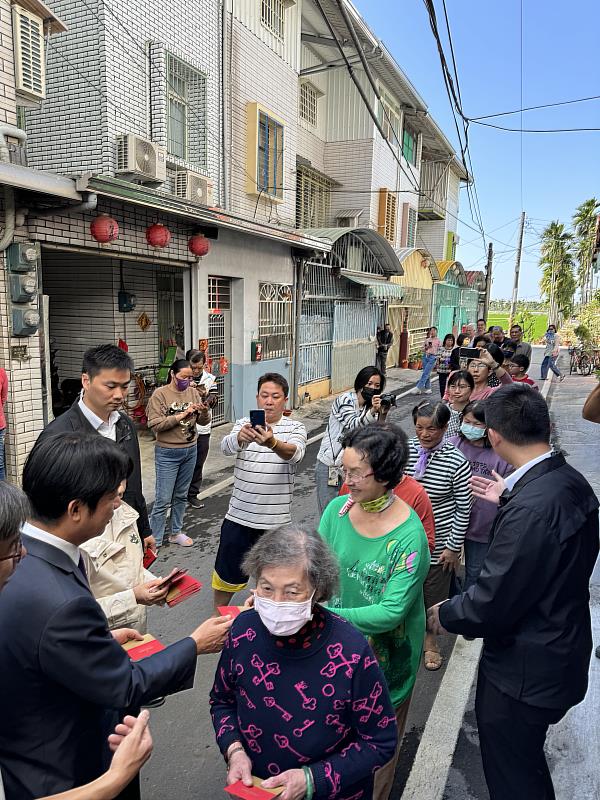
[(429, 773)]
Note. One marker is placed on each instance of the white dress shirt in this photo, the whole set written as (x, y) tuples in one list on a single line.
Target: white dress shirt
[(69, 549), (106, 429), (511, 480)]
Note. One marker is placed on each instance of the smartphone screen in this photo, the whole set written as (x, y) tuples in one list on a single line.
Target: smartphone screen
[(257, 418), (468, 352)]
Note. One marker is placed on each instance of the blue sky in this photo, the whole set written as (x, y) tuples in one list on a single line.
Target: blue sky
[(560, 62)]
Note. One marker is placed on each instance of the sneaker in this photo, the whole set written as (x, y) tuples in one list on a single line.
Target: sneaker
[(195, 503), (562, 377), (426, 391), (415, 390), (181, 539)]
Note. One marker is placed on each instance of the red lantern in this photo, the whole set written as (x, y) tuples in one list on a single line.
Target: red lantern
[(104, 229), (157, 235), (199, 245)]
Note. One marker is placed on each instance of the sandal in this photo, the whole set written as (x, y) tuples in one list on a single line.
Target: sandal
[(182, 539), (432, 660)]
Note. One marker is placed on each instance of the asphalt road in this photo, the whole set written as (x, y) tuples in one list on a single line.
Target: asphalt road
[(186, 763)]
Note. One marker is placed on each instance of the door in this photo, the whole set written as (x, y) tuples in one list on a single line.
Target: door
[(445, 320), (219, 343)]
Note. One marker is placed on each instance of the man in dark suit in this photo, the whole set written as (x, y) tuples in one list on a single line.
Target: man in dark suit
[(65, 678), (531, 601), (105, 377)]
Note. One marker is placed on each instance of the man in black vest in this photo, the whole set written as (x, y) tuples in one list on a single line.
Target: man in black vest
[(531, 601), (106, 375)]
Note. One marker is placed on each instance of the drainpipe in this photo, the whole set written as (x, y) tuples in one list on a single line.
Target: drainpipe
[(89, 204), (14, 133), (299, 276)]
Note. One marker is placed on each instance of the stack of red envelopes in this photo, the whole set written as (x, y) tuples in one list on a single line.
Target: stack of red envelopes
[(182, 587), (255, 792), (148, 646)]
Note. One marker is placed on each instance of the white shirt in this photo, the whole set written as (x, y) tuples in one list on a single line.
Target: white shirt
[(69, 549), (106, 429), (511, 480), (208, 381)]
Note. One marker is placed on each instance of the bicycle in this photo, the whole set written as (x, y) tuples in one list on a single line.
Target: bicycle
[(581, 361)]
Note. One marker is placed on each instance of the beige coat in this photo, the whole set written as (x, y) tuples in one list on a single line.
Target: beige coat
[(114, 564)]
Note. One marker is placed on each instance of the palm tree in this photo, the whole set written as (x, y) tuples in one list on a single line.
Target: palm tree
[(558, 280), (584, 222)]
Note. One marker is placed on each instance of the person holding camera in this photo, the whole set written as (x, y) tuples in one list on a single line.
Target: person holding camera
[(350, 410), (206, 385)]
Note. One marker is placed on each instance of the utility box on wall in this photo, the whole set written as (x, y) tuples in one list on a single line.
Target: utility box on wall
[(22, 261), (256, 351)]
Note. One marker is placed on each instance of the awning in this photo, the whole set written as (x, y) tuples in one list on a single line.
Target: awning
[(377, 289)]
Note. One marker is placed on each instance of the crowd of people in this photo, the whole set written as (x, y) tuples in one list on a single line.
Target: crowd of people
[(474, 525)]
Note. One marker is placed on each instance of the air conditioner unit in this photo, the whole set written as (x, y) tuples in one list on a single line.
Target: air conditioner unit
[(195, 187), (141, 159)]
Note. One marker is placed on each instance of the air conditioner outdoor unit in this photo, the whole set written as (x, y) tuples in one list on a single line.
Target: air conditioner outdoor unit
[(141, 159), (195, 187)]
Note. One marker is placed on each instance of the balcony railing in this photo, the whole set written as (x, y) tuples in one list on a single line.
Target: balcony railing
[(434, 190)]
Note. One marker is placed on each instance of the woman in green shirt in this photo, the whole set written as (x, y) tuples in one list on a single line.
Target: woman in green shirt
[(384, 558)]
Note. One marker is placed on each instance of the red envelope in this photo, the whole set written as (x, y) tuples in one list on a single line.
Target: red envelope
[(149, 558), (232, 611), (183, 586), (148, 646), (252, 792)]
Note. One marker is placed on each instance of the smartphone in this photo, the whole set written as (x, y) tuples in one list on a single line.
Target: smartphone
[(257, 418), (469, 352)]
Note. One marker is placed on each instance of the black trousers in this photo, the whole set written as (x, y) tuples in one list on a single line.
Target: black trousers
[(202, 444), (443, 379), (511, 738)]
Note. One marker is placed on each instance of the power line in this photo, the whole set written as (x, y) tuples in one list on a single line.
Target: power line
[(534, 108), (533, 130)]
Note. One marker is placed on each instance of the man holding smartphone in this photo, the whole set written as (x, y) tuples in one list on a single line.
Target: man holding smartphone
[(266, 454)]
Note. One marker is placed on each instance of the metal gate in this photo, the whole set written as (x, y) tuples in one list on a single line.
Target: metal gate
[(354, 344), (219, 343), (315, 340)]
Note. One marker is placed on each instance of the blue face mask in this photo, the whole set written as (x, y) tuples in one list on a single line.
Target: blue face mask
[(472, 432)]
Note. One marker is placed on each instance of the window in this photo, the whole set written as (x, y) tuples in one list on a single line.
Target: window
[(313, 199), (275, 320), (272, 16), (264, 153), (388, 212), (409, 145), (28, 32), (309, 97), (450, 246), (186, 112), (389, 117), (411, 228)]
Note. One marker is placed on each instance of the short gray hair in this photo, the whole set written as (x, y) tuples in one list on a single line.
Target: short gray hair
[(14, 508), (291, 545)]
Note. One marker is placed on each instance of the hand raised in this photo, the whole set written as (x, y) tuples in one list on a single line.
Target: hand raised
[(487, 489), (211, 635)]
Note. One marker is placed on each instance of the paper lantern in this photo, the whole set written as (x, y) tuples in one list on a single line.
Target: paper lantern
[(104, 229), (158, 235), (199, 245)]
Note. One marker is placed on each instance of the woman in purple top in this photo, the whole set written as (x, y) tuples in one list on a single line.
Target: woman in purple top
[(473, 443), (299, 699)]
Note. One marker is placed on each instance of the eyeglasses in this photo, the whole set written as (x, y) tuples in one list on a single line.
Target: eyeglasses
[(354, 479), (17, 556)]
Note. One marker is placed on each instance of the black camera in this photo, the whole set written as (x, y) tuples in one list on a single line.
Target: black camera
[(388, 400)]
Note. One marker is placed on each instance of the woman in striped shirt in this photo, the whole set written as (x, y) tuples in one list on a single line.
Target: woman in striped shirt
[(445, 474), (350, 410)]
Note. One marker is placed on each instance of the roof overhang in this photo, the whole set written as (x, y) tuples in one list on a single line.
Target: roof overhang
[(138, 195), (456, 267), (38, 181), (377, 244), (377, 288), (51, 22), (406, 252)]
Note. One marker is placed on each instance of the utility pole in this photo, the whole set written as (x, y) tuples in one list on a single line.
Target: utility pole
[(488, 280), (515, 294)]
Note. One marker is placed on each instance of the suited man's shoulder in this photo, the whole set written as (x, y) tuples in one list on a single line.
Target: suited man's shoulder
[(71, 420)]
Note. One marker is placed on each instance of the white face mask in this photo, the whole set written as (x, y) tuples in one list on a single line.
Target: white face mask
[(283, 619)]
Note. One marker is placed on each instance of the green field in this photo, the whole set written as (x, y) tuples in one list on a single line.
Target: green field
[(534, 328)]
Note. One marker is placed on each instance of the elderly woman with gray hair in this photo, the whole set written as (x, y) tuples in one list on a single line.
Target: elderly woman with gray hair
[(299, 699)]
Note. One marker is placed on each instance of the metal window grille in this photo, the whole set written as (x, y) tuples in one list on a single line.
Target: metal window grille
[(391, 214), (389, 118), (269, 179), (313, 199), (186, 112), (411, 228), (272, 16), (308, 103), (275, 319), (350, 252), (219, 294)]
